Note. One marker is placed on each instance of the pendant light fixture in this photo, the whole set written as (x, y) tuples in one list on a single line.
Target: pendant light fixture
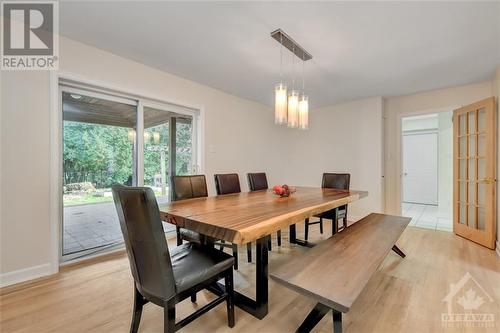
[(303, 104), (280, 94), (293, 100), (292, 108)]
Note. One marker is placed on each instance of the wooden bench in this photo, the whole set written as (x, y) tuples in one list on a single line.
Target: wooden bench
[(336, 270)]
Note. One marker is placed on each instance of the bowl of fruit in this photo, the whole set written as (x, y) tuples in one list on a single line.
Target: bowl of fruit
[(283, 190)]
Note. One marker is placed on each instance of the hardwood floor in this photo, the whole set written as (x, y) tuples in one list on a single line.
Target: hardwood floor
[(405, 295)]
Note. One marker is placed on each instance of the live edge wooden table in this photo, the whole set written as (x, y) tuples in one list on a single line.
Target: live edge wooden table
[(253, 216)]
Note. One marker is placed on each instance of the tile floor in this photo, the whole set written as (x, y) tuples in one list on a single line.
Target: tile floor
[(93, 226), (426, 216)]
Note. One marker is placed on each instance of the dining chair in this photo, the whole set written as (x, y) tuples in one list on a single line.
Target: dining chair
[(340, 181), (166, 277), (258, 182), (229, 183), (189, 187)]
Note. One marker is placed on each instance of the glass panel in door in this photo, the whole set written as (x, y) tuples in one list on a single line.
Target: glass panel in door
[(98, 152), (156, 152), (184, 146)]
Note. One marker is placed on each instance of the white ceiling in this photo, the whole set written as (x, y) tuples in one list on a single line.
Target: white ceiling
[(360, 49)]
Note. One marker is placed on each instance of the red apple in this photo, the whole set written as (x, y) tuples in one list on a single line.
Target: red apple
[(278, 189)]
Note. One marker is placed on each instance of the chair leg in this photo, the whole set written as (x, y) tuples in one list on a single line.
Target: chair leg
[(235, 255), (345, 222), (222, 247), (396, 249), (228, 280), (249, 252), (321, 225), (169, 317), (306, 229), (179, 238), (269, 243), (136, 315), (279, 237), (193, 297)]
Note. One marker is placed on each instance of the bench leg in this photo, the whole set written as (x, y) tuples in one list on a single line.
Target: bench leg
[(313, 318), (396, 249), (337, 321)]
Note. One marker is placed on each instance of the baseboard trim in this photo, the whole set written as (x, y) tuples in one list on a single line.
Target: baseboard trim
[(25, 274), (497, 247)]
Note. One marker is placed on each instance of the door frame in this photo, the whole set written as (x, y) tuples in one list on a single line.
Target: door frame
[(420, 132), (399, 147), (56, 148)]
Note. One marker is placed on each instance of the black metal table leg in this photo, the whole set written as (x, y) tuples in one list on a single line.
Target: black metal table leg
[(293, 233), (258, 307), (335, 219), (313, 318), (262, 275)]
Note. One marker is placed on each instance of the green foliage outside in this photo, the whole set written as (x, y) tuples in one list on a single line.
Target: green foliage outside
[(103, 155)]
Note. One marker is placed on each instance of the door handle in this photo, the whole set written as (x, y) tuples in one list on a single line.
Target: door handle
[(488, 181)]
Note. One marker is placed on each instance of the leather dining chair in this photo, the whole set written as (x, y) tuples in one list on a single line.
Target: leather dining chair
[(258, 182), (166, 277), (340, 181), (189, 187), (229, 183)]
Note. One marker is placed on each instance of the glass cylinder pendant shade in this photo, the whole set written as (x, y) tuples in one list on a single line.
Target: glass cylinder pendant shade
[(304, 112), (293, 109), (280, 104)]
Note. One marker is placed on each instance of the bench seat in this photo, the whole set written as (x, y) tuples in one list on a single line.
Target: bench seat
[(336, 271)]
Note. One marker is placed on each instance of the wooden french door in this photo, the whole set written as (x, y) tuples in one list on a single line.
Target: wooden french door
[(474, 166)]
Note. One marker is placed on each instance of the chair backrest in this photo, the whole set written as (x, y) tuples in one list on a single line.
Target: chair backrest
[(340, 181), (145, 242), (257, 181), (227, 183), (189, 187)]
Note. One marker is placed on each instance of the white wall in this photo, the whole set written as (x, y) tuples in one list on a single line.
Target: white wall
[(445, 165), (341, 138), (24, 190), (435, 101)]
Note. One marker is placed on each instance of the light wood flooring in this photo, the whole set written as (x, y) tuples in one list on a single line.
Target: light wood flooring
[(405, 295)]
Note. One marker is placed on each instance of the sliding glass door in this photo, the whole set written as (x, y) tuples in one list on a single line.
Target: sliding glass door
[(102, 134)]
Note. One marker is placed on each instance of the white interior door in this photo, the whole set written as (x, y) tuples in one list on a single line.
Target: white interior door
[(420, 168)]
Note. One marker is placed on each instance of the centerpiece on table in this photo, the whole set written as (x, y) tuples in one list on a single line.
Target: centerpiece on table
[(283, 190)]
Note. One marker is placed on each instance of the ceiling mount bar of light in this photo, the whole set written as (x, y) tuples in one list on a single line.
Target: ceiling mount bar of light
[(291, 45)]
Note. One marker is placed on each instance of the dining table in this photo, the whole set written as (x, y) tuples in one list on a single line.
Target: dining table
[(245, 217)]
